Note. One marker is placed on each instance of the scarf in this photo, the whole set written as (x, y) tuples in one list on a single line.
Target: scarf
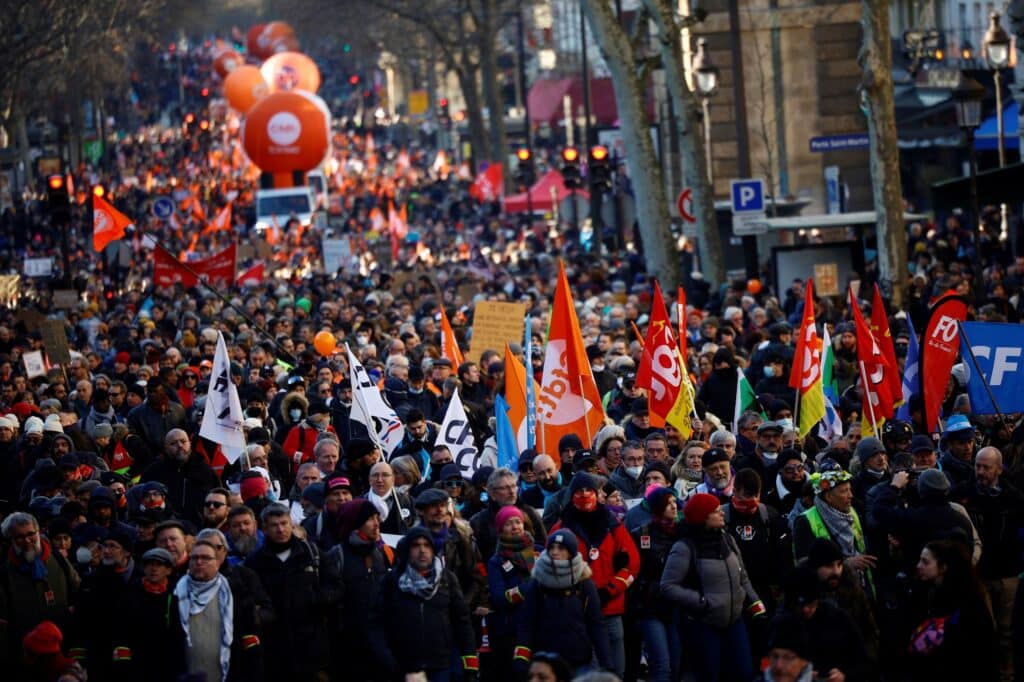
[(591, 527), (723, 495), (381, 503), (37, 567), (840, 524), (519, 550), (423, 586), (440, 540), (193, 597), (560, 574), (155, 588)]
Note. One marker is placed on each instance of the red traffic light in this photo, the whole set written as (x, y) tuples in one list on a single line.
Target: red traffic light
[(55, 181), (570, 155), (354, 80), (99, 191), (443, 102), (205, 92), (599, 152), (189, 118), (204, 124), (523, 154)]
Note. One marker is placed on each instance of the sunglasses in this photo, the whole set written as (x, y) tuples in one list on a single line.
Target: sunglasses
[(215, 505), (453, 483)]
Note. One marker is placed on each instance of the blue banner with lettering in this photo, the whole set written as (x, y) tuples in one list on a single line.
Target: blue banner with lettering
[(998, 359)]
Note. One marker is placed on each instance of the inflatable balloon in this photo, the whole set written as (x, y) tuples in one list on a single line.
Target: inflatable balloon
[(244, 86), (290, 71), (225, 61), (325, 343), (252, 46), (277, 36), (754, 286), (287, 131)]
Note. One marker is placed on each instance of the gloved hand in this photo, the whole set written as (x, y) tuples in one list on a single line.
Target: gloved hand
[(757, 610), (620, 560), (604, 595)]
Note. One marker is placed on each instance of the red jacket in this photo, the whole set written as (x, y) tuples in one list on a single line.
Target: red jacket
[(301, 438), (602, 558)]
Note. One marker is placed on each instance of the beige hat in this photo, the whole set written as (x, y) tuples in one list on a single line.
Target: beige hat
[(52, 424)]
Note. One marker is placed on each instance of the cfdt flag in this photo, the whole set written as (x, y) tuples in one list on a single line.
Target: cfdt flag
[(518, 385), (222, 413), (995, 359), (874, 369), (939, 347), (456, 435), (370, 410)]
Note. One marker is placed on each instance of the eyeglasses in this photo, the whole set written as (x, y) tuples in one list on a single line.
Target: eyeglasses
[(504, 488), (455, 483), (25, 536), (215, 505), (325, 392)]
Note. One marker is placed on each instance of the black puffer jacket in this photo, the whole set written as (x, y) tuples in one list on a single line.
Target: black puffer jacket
[(187, 484)]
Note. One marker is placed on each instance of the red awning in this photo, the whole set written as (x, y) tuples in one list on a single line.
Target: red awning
[(545, 100), (540, 195)]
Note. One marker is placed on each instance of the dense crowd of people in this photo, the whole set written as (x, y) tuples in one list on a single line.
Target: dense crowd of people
[(133, 549)]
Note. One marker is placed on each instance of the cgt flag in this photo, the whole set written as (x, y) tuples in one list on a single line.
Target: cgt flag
[(456, 435), (882, 334), (489, 185), (805, 376), (939, 347), (222, 414), (370, 410), (874, 370), (218, 269), (662, 372)]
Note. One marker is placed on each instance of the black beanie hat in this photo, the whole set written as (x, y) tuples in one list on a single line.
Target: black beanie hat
[(581, 480), (823, 552)]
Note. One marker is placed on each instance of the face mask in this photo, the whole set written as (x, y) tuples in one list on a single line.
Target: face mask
[(296, 415), (585, 500), (83, 555), (634, 472), (746, 506), (362, 340), (786, 423), (875, 473), (769, 457), (415, 391), (769, 371), (597, 368)]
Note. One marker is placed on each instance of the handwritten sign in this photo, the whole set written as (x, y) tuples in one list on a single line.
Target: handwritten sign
[(55, 341), (38, 267), (494, 324), (65, 299), (34, 365)]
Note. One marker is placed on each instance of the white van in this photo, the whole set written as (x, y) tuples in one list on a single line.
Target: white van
[(279, 205)]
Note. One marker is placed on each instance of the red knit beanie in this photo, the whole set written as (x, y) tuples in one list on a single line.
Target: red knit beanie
[(252, 485), (504, 514), (699, 507), (44, 639)]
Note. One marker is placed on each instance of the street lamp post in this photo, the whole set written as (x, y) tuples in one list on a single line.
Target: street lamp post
[(997, 53), (967, 96), (707, 85)]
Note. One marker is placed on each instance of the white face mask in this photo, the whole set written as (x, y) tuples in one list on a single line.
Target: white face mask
[(362, 340), (83, 555), (296, 415), (634, 471), (786, 423), (769, 457)]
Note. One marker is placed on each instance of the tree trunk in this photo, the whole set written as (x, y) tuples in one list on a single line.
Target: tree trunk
[(885, 167), (691, 144), (474, 114), (652, 213), (489, 83)]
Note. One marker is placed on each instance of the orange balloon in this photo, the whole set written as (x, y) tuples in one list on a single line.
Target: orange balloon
[(276, 36), (754, 286), (291, 71), (325, 343), (244, 86), (287, 131), (252, 45), (225, 61)]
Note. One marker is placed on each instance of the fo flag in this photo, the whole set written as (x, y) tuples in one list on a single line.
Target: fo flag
[(996, 358), (938, 349), (456, 435), (489, 185), (222, 413), (370, 410)]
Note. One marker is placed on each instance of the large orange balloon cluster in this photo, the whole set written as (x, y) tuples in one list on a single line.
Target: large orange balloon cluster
[(244, 86), (287, 131)]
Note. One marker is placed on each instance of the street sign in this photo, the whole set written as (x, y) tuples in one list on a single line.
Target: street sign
[(163, 207), (840, 143), (747, 196), (685, 205), (745, 224)]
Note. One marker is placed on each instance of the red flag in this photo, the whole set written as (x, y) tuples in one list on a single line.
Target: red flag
[(806, 338), (108, 224), (490, 184), (940, 345), (880, 329), (873, 368), (569, 401), (218, 268), (449, 346), (661, 370), (253, 276)]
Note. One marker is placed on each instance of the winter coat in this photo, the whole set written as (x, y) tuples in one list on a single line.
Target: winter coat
[(302, 438), (836, 642), (631, 488), (505, 583), (187, 484), (409, 634), (96, 612), (998, 520), (607, 548), (142, 629), (486, 535), (766, 547), (653, 542), (933, 519), (153, 425), (968, 648), (364, 569), (704, 575)]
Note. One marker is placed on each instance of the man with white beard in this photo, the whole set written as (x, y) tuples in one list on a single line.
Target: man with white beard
[(718, 475), (36, 584)]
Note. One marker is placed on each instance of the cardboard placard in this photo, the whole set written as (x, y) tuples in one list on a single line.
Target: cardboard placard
[(245, 252), (32, 319), (65, 299), (826, 279), (337, 253), (496, 323), (55, 341), (34, 364), (38, 267)]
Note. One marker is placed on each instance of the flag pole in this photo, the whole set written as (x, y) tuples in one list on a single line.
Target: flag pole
[(981, 375), (867, 391), (796, 411), (185, 266)]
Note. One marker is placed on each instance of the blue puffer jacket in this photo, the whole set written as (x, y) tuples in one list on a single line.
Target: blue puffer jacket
[(505, 582)]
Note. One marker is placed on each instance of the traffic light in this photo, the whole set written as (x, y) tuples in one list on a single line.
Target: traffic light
[(599, 170), (353, 80), (525, 173), (443, 116), (99, 191), (57, 200), (571, 168)]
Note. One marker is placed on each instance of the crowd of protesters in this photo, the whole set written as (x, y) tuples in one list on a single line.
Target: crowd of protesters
[(132, 549)]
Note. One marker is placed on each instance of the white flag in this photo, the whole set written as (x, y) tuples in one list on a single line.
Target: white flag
[(458, 437), (370, 409), (222, 413)]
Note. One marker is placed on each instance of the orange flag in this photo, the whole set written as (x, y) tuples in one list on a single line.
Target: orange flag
[(569, 400), (108, 224), (222, 221), (449, 346), (515, 396)]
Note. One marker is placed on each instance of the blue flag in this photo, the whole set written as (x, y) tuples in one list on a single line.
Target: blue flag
[(909, 378), (998, 359), (508, 451)]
